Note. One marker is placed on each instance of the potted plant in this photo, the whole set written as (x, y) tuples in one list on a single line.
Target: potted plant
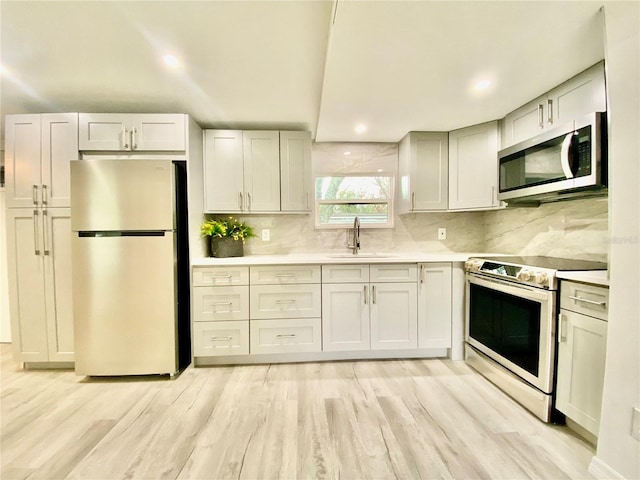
[(227, 236)]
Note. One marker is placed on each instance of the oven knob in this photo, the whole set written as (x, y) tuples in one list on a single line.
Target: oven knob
[(524, 275), (542, 278)]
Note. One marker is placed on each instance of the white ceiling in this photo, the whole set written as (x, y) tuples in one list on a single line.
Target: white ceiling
[(394, 65)]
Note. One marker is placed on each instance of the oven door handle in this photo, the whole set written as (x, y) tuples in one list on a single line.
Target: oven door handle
[(511, 288)]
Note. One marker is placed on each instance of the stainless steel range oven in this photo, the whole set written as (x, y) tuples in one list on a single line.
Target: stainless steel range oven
[(511, 311)]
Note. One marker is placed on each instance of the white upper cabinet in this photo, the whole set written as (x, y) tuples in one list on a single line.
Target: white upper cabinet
[(295, 171), (132, 132), (582, 94), (241, 171), (261, 153), (223, 171), (37, 154), (257, 171), (423, 172), (473, 167)]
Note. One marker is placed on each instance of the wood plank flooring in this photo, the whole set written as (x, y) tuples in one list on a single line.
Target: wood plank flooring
[(396, 419)]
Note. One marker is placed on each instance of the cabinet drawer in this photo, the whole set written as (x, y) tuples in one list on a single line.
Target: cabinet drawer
[(345, 273), (283, 274), (220, 338), (211, 276), (290, 301), (220, 303), (587, 299), (395, 273), (286, 336)]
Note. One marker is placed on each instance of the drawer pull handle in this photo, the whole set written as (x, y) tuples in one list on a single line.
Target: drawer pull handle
[(281, 302), (220, 339), (285, 275), (286, 335), (216, 304), (586, 300), (220, 276)]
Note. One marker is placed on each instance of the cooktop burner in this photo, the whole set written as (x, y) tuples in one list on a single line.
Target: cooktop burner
[(551, 263)]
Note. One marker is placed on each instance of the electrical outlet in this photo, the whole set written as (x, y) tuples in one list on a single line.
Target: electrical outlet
[(266, 234), (635, 423), (442, 234)]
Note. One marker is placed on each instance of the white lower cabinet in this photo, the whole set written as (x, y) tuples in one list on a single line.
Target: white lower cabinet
[(345, 317), (220, 338), (220, 311), (582, 347), (370, 316), (39, 268), (434, 305), (286, 335)]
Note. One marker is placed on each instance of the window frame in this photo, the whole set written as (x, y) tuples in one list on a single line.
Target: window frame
[(390, 202)]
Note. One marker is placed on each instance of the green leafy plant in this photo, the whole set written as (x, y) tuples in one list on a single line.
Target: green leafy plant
[(227, 227)]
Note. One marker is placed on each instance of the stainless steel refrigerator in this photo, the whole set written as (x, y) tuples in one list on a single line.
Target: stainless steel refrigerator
[(130, 267)]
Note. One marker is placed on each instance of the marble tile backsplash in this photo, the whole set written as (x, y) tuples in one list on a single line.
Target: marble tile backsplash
[(571, 229), (412, 233)]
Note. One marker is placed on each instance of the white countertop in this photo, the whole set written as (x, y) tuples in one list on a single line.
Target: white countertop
[(335, 258), (594, 277)]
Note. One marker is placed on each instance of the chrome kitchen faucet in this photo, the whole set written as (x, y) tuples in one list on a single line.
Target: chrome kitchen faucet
[(355, 242)]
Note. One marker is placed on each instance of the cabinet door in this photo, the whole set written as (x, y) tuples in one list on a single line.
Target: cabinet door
[(583, 94), (345, 317), (57, 265), (581, 359), (473, 167), (428, 177), (261, 150), (394, 316), (223, 171), (434, 305), (59, 146), (524, 122), (158, 132), (104, 131), (22, 160), (26, 284), (295, 171)]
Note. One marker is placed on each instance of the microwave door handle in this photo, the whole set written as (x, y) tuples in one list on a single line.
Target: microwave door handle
[(564, 156)]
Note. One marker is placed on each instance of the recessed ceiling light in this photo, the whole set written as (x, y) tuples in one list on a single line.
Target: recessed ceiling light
[(347, 153), (482, 85), (171, 61), (361, 128)]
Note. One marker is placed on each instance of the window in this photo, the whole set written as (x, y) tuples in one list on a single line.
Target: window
[(339, 198)]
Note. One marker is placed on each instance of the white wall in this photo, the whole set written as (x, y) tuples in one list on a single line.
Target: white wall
[(618, 453), (5, 323)]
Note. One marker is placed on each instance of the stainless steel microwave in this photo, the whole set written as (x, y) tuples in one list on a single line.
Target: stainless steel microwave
[(568, 161)]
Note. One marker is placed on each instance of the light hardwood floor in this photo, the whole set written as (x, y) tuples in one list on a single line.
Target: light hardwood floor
[(404, 419)]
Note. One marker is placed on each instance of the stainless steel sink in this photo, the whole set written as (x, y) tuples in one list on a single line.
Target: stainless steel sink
[(361, 255)]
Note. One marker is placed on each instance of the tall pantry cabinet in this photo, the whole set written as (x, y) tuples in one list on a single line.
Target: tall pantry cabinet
[(38, 149)]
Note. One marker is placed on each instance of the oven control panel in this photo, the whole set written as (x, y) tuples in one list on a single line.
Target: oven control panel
[(534, 276)]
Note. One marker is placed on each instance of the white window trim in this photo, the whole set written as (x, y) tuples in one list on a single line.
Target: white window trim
[(390, 202)]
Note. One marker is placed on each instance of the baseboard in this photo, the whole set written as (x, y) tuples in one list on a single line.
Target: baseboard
[(602, 471)]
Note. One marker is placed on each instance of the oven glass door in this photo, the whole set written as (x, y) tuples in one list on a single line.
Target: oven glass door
[(514, 325)]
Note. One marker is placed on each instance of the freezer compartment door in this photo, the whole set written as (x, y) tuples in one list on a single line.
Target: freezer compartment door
[(122, 195), (124, 305)]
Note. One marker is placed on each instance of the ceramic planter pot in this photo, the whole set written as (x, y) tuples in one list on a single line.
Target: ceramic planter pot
[(226, 247)]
